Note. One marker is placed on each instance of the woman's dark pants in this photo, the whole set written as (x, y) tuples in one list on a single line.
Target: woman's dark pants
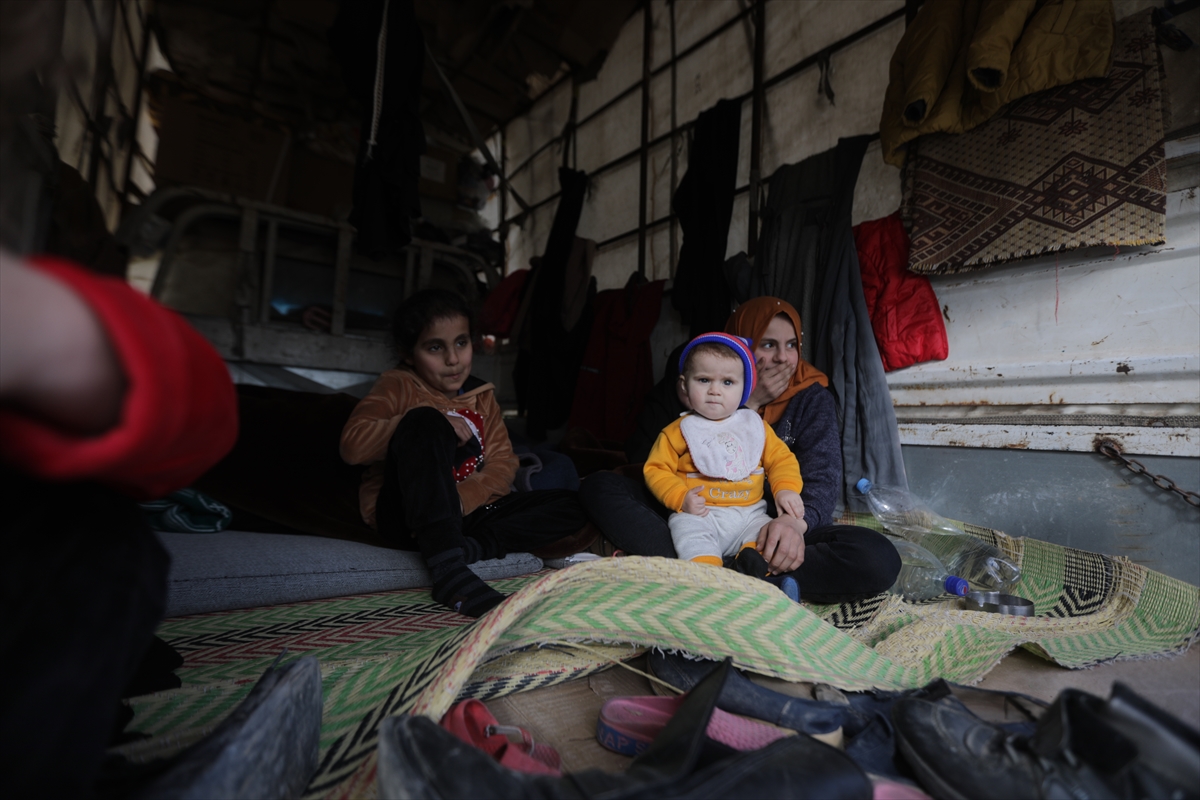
[(841, 562)]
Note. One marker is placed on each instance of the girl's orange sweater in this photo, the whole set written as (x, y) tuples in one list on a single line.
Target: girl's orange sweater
[(370, 427)]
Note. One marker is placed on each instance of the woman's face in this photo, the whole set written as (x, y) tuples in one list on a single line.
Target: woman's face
[(778, 345)]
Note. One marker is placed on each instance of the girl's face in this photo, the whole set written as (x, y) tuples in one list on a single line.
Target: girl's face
[(778, 345), (442, 355)]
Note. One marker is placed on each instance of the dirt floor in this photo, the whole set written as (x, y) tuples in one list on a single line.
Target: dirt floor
[(565, 716)]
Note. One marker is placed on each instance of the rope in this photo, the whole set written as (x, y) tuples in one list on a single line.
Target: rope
[(380, 54), (596, 653)]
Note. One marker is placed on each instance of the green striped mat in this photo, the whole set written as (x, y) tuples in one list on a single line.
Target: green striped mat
[(392, 652)]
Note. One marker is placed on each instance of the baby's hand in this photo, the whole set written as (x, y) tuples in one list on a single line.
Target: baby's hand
[(789, 503), (693, 502)]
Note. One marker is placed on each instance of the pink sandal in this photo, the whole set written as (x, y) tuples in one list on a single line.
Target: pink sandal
[(627, 725)]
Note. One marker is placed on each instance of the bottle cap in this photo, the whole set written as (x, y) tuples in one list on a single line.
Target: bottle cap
[(956, 585), (863, 485)]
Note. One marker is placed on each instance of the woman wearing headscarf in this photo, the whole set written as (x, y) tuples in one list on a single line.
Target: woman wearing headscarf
[(831, 562)]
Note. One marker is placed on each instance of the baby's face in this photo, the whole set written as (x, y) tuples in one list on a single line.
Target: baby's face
[(713, 385)]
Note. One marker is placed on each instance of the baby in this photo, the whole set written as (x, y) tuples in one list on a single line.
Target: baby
[(708, 465)]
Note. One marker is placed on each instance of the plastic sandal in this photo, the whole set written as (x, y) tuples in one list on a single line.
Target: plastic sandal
[(471, 722), (627, 725)]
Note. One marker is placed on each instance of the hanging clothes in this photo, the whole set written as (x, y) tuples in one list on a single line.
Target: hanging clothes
[(961, 61), (807, 257), (904, 310), (550, 353), (704, 204), (381, 50), (617, 370)]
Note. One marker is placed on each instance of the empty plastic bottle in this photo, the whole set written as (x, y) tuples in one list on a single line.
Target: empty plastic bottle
[(922, 574), (906, 516)]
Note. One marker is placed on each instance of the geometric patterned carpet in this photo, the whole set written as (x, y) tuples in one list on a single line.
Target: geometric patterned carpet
[(394, 652), (1079, 165)]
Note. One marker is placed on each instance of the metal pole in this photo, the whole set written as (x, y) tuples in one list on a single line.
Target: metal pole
[(674, 149), (341, 279), (647, 34), (756, 115), (503, 227)]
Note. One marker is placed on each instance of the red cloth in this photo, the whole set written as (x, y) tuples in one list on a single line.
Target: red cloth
[(903, 307), (179, 415), (617, 370), (500, 307)]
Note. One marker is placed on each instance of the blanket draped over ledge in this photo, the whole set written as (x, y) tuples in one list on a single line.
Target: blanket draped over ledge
[(394, 652), (1076, 166)]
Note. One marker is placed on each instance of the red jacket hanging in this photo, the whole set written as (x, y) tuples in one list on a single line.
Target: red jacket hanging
[(903, 307), (617, 369)]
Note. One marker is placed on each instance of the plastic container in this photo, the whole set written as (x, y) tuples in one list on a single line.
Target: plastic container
[(906, 516), (922, 574)]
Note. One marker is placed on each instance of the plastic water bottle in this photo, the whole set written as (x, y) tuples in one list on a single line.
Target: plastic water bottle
[(922, 574), (905, 516)]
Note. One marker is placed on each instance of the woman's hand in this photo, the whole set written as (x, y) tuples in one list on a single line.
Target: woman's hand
[(781, 543), (693, 503), (789, 502), (772, 380)]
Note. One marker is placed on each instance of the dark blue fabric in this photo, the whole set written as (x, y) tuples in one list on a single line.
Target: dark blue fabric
[(809, 427)]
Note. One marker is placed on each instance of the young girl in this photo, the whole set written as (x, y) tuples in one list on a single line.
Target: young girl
[(441, 464)]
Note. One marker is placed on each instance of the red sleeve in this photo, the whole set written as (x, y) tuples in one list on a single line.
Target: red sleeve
[(179, 415)]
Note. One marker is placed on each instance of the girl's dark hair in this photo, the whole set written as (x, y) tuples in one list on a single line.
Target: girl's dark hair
[(418, 312)]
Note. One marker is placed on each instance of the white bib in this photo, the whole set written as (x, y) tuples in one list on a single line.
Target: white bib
[(730, 449)]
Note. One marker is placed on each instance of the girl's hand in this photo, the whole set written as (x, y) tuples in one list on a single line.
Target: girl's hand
[(693, 503), (461, 429), (772, 380), (789, 503)]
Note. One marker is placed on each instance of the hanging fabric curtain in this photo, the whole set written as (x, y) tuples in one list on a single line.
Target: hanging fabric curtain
[(704, 204), (807, 256)]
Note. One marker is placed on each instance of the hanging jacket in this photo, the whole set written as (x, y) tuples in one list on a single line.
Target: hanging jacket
[(904, 310), (961, 61), (617, 370)]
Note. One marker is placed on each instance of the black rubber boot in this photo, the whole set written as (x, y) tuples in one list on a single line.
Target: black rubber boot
[(267, 748)]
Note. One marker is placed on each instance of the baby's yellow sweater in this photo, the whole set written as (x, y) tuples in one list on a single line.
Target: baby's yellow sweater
[(670, 472)]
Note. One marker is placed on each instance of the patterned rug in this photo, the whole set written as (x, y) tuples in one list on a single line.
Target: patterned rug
[(1079, 165), (393, 652)]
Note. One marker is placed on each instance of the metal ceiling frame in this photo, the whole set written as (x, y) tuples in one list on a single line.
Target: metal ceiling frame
[(758, 90)]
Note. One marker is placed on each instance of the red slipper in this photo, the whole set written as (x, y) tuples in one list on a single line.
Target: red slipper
[(628, 725), (471, 721)]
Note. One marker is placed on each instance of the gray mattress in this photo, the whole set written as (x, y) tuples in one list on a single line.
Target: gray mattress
[(222, 571)]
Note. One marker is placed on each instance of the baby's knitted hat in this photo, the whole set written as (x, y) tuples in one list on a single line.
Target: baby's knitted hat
[(738, 345)]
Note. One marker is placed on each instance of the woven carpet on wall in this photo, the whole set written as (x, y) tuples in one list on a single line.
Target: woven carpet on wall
[(394, 652), (1075, 166)]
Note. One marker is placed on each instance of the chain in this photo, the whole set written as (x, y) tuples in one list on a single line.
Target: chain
[(1108, 448)]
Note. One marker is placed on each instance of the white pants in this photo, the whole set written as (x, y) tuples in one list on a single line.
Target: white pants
[(722, 532)]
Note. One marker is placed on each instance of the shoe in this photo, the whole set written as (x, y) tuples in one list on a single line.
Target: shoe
[(471, 722), (1083, 747), (743, 697), (266, 748), (419, 759), (1167, 748), (627, 725)]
